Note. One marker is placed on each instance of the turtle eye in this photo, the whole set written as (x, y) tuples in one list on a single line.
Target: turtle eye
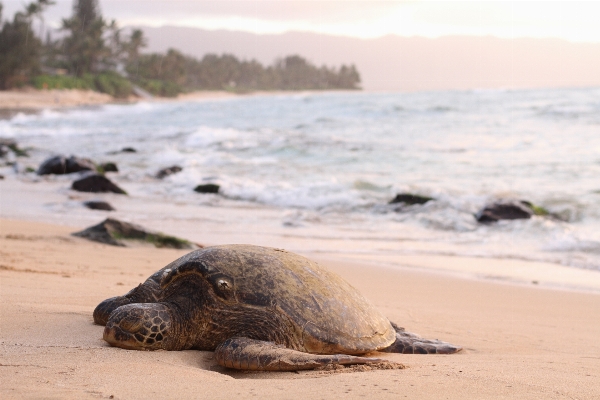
[(223, 286)]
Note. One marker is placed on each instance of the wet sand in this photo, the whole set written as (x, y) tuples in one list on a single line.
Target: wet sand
[(519, 341)]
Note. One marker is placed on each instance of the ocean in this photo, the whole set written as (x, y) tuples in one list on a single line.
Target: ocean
[(316, 171)]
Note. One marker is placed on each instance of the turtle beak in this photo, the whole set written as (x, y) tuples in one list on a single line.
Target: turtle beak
[(138, 327), (117, 337)]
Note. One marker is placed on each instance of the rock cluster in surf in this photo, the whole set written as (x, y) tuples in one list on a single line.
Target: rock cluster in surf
[(503, 209)]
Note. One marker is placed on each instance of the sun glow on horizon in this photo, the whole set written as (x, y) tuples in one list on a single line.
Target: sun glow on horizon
[(570, 20)]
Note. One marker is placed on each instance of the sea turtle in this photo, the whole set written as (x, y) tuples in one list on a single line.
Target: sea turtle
[(258, 308)]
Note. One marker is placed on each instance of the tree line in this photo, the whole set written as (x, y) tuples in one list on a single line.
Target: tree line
[(96, 54)]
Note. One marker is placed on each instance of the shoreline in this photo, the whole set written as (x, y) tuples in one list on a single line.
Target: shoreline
[(512, 335), (34, 100), (49, 200)]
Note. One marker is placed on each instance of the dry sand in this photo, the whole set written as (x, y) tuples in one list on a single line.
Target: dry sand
[(32, 99), (520, 342), (55, 98)]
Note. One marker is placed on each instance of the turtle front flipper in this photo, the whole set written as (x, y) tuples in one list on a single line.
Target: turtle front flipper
[(257, 355), (409, 343)]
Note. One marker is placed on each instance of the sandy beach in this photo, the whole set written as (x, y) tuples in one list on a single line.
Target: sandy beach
[(55, 98), (519, 341), (32, 99), (529, 328)]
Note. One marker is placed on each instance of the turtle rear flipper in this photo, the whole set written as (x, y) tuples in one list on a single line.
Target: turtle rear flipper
[(257, 355), (410, 343)]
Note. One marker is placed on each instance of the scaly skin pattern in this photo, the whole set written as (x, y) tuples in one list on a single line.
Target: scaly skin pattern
[(256, 355), (259, 308), (409, 343)]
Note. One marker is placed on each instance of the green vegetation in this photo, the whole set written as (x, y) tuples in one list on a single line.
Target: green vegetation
[(159, 88), (167, 74), (93, 50), (19, 152), (61, 82), (20, 48), (106, 82), (113, 84), (160, 241), (537, 210)]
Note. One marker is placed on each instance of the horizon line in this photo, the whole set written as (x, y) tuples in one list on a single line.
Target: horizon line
[(416, 36)]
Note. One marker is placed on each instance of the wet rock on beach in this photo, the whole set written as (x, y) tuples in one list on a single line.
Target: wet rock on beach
[(119, 233), (207, 188), (96, 183), (59, 165), (509, 210), (99, 205), (410, 199), (168, 171), (108, 167)]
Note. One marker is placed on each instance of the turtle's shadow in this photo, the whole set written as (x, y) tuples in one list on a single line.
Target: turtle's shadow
[(263, 374)]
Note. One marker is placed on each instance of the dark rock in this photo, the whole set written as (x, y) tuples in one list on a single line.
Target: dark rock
[(108, 167), (207, 188), (410, 199), (59, 165), (53, 165), (98, 205), (505, 210), (7, 145), (514, 209), (96, 183), (168, 171), (1, 177), (120, 233), (124, 150)]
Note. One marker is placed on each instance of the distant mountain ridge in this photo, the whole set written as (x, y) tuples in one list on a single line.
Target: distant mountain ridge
[(407, 63)]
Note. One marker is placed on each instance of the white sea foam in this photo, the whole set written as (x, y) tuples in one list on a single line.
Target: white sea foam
[(334, 161)]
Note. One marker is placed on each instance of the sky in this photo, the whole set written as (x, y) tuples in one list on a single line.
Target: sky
[(570, 20)]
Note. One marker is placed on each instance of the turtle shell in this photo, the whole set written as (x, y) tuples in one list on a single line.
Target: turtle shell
[(329, 314)]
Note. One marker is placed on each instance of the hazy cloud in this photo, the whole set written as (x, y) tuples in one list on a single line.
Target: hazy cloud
[(268, 10), (569, 20), (281, 10)]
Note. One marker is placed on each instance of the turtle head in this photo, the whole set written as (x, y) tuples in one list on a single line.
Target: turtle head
[(103, 310), (140, 327), (146, 292)]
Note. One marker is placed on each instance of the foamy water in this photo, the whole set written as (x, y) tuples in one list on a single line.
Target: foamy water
[(324, 166)]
